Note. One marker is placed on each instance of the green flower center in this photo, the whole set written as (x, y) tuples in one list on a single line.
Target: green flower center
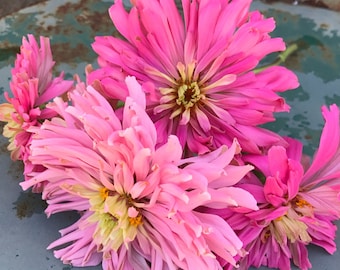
[(188, 95)]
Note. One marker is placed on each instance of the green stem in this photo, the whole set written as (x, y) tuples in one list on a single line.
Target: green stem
[(281, 58)]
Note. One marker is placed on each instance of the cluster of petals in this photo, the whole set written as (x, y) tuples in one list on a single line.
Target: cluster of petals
[(139, 204), (161, 151), (297, 206), (201, 57), (32, 85)]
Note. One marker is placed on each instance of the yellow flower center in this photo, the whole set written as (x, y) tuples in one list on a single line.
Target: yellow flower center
[(117, 218), (183, 93), (187, 90), (188, 95), (291, 228), (288, 226)]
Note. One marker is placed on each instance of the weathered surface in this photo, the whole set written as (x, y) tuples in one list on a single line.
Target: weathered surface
[(72, 25), (8, 7), (331, 4)]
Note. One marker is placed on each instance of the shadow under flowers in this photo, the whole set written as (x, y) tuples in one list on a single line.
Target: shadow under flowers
[(29, 203)]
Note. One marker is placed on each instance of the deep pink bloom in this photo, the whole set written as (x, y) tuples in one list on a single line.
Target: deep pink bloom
[(32, 85), (297, 208), (202, 66), (140, 203)]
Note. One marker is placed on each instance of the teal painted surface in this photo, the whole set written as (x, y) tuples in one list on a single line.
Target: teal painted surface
[(72, 27), (317, 65), (25, 230)]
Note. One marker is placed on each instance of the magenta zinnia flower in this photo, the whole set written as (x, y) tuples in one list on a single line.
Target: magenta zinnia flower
[(32, 85), (140, 204), (202, 66), (297, 208)]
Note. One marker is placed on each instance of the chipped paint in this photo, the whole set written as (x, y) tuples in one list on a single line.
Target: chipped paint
[(321, 17), (72, 26), (316, 63)]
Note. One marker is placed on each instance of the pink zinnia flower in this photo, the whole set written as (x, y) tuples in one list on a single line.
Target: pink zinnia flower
[(140, 204), (297, 208), (32, 85), (202, 66)]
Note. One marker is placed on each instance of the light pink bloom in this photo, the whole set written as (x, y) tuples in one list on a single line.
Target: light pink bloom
[(297, 208), (202, 66), (32, 85), (140, 204)]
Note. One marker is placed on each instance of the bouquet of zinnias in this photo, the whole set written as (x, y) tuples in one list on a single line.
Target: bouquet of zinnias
[(161, 149)]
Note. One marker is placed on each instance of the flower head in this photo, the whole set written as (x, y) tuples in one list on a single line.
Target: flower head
[(140, 203), (297, 208), (202, 67), (32, 85)]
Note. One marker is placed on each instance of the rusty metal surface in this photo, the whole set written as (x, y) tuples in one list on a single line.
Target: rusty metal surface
[(330, 4), (71, 26), (9, 6), (25, 232)]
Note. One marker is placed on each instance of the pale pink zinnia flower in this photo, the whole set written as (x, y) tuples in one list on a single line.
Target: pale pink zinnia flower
[(32, 85), (202, 65), (140, 204), (297, 208)]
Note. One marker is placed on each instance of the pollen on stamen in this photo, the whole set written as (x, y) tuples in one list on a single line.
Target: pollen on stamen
[(299, 202), (188, 95), (104, 193), (136, 221), (278, 219)]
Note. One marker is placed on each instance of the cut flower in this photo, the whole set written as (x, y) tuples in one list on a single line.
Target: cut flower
[(140, 204), (297, 208), (32, 85), (202, 67)]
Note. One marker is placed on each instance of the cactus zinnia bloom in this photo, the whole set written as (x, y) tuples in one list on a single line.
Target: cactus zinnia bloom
[(32, 85), (140, 203), (298, 206), (201, 63)]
